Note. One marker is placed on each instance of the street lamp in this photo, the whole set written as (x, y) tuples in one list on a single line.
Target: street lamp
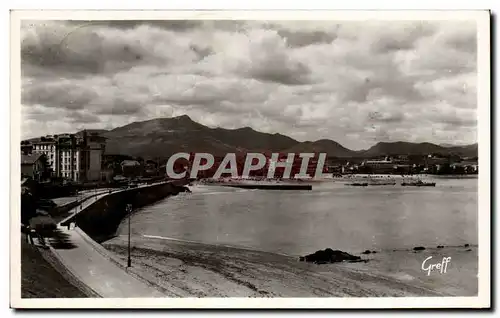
[(129, 212)]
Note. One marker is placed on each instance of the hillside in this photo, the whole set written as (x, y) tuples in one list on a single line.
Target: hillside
[(162, 137), (408, 148), (43, 279), (330, 147), (468, 151)]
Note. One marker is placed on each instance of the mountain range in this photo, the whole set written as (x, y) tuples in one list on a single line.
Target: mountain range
[(163, 137)]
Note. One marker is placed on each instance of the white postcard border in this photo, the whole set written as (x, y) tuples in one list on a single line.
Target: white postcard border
[(482, 17)]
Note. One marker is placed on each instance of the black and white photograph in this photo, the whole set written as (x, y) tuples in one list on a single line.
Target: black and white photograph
[(164, 159)]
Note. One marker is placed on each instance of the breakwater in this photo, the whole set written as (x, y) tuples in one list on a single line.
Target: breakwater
[(101, 220), (269, 186)]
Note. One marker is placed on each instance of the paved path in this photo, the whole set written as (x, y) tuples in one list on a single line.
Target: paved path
[(82, 195), (85, 259)]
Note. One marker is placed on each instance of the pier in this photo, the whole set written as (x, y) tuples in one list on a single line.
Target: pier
[(268, 186)]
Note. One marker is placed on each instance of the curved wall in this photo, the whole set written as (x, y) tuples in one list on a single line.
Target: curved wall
[(101, 220)]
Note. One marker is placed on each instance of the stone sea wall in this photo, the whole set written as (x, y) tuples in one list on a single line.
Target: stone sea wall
[(101, 220)]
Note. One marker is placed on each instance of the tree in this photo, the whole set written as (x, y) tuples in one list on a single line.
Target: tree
[(445, 169), (28, 205), (47, 170)]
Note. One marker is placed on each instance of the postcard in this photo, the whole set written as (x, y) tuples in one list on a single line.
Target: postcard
[(250, 159)]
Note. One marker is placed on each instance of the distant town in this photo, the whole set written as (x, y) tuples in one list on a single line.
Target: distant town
[(82, 158)]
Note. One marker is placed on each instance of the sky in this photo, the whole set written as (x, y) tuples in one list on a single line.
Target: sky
[(355, 82)]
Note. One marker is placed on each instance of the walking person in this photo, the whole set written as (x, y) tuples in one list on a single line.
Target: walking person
[(31, 233), (26, 230)]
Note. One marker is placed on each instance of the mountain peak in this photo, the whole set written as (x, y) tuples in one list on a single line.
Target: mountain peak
[(246, 128), (183, 118)]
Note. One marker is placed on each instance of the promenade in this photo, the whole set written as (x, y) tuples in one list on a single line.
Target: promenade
[(91, 264), (82, 195)]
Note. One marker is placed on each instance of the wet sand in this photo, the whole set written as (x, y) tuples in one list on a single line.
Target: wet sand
[(189, 269)]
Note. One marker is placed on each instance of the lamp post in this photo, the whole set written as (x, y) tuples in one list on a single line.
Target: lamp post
[(129, 212)]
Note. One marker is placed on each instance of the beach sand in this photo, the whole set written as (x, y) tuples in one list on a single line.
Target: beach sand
[(189, 269)]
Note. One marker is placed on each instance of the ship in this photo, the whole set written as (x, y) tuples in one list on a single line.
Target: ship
[(418, 183), (359, 184), (381, 181)]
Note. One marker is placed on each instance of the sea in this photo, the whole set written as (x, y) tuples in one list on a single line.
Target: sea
[(331, 215)]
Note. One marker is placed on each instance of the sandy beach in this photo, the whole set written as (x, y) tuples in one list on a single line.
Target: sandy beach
[(190, 269)]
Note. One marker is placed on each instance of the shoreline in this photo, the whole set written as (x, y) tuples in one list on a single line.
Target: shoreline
[(193, 269), (328, 178), (178, 268)]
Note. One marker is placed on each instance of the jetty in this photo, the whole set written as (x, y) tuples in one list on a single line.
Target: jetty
[(269, 186), (418, 184), (358, 184)]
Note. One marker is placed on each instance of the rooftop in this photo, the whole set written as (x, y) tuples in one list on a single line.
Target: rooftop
[(130, 163), (30, 159), (378, 161)]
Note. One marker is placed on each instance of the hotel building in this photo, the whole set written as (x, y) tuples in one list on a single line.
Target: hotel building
[(77, 157)]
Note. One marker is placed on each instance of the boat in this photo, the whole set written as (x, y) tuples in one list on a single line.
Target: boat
[(382, 183), (418, 183), (359, 184), (268, 186)]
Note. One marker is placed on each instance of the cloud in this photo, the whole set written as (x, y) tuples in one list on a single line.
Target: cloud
[(353, 82)]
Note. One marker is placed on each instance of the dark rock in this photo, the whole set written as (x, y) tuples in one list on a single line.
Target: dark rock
[(440, 246), (301, 259), (330, 256), (468, 250), (466, 245), (374, 252), (419, 248), (367, 252)]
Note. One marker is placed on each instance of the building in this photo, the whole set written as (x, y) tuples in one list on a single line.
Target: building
[(467, 167), (431, 160), (378, 166), (26, 147), (77, 157), (335, 169), (107, 174), (131, 168), (33, 166)]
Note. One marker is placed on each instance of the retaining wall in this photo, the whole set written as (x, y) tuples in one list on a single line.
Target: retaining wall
[(100, 221)]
